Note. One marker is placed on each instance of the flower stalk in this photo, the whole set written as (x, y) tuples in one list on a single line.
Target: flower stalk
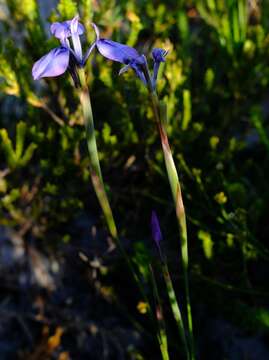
[(95, 170), (131, 59)]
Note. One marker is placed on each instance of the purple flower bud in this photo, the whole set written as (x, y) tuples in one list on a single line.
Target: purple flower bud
[(155, 228), (52, 64), (156, 232), (158, 57)]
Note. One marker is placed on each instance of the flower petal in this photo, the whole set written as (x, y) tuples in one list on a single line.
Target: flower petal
[(79, 27), (75, 38), (74, 25), (115, 51), (52, 64), (62, 30)]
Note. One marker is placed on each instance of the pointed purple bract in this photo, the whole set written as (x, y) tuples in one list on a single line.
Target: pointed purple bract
[(155, 228), (52, 64)]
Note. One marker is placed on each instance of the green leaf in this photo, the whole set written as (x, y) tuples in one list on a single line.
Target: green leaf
[(23, 9)]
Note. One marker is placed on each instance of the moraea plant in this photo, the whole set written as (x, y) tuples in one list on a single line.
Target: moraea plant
[(65, 57), (55, 63), (129, 56)]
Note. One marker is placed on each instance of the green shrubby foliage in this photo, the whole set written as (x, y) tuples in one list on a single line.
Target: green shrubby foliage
[(67, 9), (18, 156)]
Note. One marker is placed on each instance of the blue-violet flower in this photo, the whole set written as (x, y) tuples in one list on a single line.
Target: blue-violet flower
[(64, 57), (123, 54), (129, 56)]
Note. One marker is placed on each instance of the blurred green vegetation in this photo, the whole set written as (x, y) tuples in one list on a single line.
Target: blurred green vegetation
[(215, 84)]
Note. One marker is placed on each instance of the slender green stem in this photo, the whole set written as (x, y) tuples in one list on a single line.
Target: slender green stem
[(95, 169), (97, 179)]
